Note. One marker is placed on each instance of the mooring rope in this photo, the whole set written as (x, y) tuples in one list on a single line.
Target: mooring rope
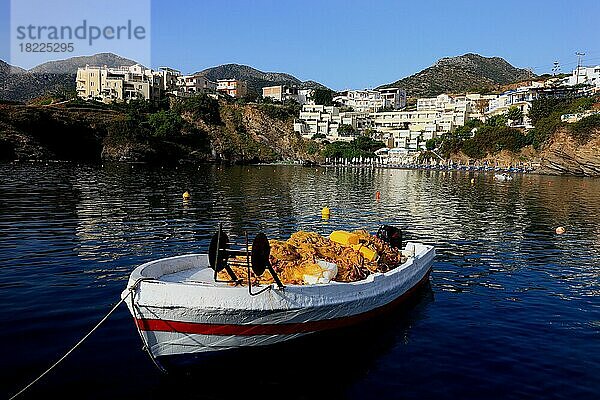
[(145, 345), (131, 289)]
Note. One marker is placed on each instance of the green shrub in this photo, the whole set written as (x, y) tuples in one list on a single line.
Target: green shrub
[(165, 124), (201, 106), (277, 111), (491, 139), (346, 130), (545, 116), (361, 146), (312, 148), (584, 129)]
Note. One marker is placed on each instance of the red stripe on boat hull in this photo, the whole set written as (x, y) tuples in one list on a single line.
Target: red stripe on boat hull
[(270, 329)]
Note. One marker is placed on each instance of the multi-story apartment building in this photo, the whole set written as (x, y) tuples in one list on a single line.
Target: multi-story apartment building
[(193, 84), (119, 83), (372, 100), (361, 100), (520, 98), (393, 98), (169, 78), (281, 92), (306, 96), (325, 120), (108, 84), (232, 87), (285, 92), (586, 76)]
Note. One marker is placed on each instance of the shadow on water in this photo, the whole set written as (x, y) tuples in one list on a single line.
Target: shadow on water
[(320, 365)]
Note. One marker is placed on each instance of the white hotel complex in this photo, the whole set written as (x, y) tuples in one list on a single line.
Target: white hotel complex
[(405, 132)]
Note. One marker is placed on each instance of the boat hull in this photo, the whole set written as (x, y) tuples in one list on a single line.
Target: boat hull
[(190, 316)]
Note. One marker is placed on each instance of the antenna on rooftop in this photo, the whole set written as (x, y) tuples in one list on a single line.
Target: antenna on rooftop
[(579, 56)]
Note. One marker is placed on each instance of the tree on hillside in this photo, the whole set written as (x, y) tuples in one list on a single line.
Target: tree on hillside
[(201, 106), (165, 124), (496, 120), (346, 130), (514, 114), (323, 97), (361, 146)]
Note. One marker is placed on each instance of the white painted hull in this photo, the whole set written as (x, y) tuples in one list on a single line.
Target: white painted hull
[(179, 309)]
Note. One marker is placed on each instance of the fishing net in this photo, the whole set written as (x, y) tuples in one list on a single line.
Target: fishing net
[(302, 255)]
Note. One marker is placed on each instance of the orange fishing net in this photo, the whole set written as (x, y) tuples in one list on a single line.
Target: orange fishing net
[(298, 256)]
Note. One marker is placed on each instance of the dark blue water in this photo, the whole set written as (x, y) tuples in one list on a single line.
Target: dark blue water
[(512, 310)]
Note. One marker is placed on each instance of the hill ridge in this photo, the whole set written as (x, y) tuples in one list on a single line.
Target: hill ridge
[(462, 73)]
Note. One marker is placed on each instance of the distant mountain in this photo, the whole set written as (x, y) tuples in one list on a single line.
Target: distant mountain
[(17, 84), (6, 69), (459, 74), (256, 79), (70, 65)]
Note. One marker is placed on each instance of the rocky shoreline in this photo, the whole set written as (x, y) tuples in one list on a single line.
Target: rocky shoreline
[(244, 134)]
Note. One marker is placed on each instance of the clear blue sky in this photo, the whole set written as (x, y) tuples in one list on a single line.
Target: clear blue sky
[(358, 44)]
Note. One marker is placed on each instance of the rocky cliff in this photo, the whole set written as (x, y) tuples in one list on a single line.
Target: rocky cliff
[(246, 134), (563, 155)]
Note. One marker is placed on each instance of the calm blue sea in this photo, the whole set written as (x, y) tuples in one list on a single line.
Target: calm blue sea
[(512, 310)]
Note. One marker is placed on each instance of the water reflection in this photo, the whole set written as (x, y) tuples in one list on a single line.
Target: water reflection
[(511, 295)]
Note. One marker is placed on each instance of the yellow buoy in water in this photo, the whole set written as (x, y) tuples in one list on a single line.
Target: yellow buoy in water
[(186, 195), (560, 230), (472, 180), (325, 212)]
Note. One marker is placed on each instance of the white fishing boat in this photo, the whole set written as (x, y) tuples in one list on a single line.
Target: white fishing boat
[(503, 177), (180, 307)]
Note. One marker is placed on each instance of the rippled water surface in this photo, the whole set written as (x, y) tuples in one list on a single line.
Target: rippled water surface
[(512, 309)]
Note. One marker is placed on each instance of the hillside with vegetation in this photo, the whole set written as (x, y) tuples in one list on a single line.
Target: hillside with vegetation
[(197, 129), (559, 147), (469, 72)]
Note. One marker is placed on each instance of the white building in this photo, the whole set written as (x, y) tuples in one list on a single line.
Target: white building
[(285, 92), (193, 84), (372, 100), (325, 120), (306, 96), (520, 98), (586, 76)]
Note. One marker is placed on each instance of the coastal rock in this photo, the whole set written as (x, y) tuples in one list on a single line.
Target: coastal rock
[(246, 134), (15, 145), (563, 155)]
